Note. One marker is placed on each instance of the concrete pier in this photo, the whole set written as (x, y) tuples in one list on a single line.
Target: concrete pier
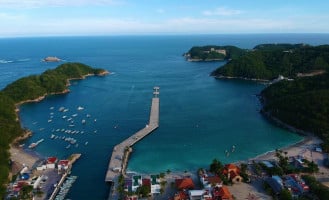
[(120, 153)]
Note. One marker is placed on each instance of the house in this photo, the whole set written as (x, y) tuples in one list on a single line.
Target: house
[(63, 165), (51, 161), (184, 184), (136, 182), (155, 184), (222, 193), (232, 172)]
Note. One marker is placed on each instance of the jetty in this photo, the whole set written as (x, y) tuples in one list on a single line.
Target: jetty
[(119, 159)]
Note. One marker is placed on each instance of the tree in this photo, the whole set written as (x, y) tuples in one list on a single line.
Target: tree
[(285, 195)]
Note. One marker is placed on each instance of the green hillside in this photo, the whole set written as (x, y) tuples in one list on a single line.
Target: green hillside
[(268, 61), (302, 103)]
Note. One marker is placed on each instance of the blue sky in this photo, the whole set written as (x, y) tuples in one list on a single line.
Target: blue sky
[(137, 17)]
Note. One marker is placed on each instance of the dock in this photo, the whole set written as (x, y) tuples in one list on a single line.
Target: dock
[(72, 159), (119, 159)]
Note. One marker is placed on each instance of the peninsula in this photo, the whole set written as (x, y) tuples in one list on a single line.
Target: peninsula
[(268, 61), (28, 89)]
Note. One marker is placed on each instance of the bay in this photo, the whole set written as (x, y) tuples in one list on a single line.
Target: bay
[(200, 117)]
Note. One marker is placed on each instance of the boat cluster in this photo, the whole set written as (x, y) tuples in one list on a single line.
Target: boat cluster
[(65, 188)]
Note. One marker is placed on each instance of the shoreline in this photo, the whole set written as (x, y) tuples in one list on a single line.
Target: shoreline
[(241, 78)]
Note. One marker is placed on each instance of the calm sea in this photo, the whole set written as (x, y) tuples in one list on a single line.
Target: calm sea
[(200, 117)]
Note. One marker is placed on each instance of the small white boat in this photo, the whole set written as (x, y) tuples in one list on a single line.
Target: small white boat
[(80, 108), (86, 143), (68, 146), (83, 121), (49, 120), (74, 115)]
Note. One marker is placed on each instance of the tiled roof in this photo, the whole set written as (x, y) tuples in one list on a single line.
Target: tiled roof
[(185, 183)]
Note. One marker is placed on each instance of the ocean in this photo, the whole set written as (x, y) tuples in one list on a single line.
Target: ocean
[(200, 117)]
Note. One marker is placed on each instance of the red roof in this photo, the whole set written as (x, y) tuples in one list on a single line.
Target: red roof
[(63, 162), (224, 193), (185, 183), (146, 182), (231, 167), (213, 180), (51, 160), (181, 196)]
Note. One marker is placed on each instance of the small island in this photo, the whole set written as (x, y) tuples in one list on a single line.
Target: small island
[(29, 89), (213, 53)]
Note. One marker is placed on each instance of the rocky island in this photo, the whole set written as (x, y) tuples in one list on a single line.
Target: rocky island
[(213, 53)]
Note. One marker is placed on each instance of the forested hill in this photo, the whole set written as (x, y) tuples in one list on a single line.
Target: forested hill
[(268, 61), (213, 53), (30, 88), (302, 103)]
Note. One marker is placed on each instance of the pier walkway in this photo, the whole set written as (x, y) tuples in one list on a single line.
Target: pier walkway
[(120, 153)]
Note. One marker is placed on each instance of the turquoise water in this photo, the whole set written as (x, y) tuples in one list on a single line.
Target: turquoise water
[(200, 117)]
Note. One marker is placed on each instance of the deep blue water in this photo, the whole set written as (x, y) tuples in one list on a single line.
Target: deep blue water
[(200, 117)]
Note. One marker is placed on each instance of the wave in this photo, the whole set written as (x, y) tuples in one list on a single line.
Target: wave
[(23, 60)]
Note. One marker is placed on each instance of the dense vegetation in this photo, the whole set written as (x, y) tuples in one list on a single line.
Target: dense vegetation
[(29, 88), (320, 191), (208, 53), (302, 103), (268, 61)]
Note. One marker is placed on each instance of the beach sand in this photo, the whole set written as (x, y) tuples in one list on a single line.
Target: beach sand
[(22, 158)]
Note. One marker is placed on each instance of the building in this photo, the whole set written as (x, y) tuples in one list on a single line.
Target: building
[(136, 183), (222, 193), (232, 172), (184, 184), (155, 184), (51, 161), (63, 165)]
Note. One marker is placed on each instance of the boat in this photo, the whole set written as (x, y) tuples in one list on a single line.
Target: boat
[(68, 146), (86, 143), (49, 120), (52, 136), (80, 108), (51, 108), (74, 115), (83, 121), (61, 109), (65, 110), (88, 115), (34, 144)]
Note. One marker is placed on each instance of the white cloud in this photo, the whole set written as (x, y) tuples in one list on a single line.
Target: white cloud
[(221, 11), (55, 3)]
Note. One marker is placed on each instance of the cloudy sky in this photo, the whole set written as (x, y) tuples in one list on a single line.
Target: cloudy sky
[(136, 17)]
